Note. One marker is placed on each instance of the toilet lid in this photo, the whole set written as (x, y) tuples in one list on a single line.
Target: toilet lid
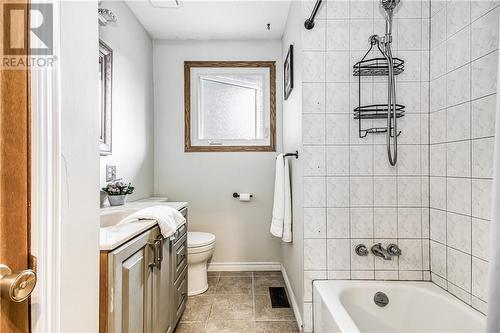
[(196, 239)]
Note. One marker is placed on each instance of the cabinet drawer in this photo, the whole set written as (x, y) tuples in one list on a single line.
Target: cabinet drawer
[(179, 257), (181, 291)]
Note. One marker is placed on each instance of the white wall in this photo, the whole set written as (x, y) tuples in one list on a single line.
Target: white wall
[(207, 180), (132, 100), (80, 170), (292, 253)]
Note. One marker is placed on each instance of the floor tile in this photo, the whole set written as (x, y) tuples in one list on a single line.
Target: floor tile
[(213, 274), (234, 285), (265, 311), (267, 273), (212, 285), (276, 327), (262, 283), (247, 274), (230, 326), (198, 308), (232, 307), (192, 327)]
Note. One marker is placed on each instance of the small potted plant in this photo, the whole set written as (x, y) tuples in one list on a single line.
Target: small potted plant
[(117, 192)]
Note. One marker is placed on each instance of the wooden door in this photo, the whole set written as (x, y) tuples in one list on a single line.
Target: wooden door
[(14, 170)]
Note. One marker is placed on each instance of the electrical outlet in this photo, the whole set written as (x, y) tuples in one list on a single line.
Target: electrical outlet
[(110, 173)]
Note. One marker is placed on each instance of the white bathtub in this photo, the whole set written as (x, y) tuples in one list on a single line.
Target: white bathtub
[(348, 307)]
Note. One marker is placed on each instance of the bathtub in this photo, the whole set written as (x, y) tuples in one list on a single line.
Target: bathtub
[(349, 307)]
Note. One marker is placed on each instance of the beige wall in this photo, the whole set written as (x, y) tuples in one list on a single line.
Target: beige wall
[(132, 100), (207, 180)]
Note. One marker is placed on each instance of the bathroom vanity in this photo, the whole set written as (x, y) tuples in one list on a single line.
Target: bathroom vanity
[(143, 276)]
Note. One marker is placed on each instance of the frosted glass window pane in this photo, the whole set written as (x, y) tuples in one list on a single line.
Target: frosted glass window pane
[(231, 107)]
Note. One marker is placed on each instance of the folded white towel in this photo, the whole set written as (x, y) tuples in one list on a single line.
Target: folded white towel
[(168, 218), (281, 224)]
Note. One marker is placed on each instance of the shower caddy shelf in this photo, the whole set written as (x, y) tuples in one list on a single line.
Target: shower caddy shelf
[(375, 67)]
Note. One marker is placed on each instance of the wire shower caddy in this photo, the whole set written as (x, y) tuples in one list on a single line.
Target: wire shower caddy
[(375, 67)]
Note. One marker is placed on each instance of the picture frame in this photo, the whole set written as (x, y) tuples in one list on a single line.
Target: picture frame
[(105, 92), (288, 73)]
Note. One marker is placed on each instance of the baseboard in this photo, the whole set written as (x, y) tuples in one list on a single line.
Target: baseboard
[(243, 266), (292, 299)]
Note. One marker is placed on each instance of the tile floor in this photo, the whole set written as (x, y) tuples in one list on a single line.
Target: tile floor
[(237, 302)]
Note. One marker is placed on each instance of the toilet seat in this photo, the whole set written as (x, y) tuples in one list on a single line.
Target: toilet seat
[(199, 239)]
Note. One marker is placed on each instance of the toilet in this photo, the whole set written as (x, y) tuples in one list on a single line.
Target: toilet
[(201, 246)]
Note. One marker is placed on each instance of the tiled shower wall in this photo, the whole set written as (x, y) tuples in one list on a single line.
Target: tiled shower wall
[(464, 59), (351, 193)]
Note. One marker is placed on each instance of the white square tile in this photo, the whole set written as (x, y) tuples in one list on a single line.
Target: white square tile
[(338, 222), (385, 223), (337, 66), (361, 191), (314, 192), (386, 275), (457, 16), (308, 317), (315, 254), (314, 222), (313, 100), (479, 305), (411, 254), (438, 61), (409, 160), (337, 35), (339, 254), (458, 292), (409, 34), (458, 163), (438, 28), (481, 238), (480, 281), (381, 165), (458, 49), (337, 98), (438, 225), (482, 157), (459, 232), (438, 160), (458, 122), (337, 160), (458, 86), (337, 9), (439, 281), (361, 160), (484, 75), (314, 39), (339, 275), (481, 198), (337, 191), (309, 277), (459, 268), (483, 116), (410, 9), (361, 30), (426, 257), (409, 126), (386, 191), (438, 94), (481, 7), (313, 129), (438, 259), (409, 191), (438, 192), (425, 222), (485, 34), (363, 275), (314, 160), (337, 128), (409, 223), (438, 127), (458, 195), (361, 9), (359, 262), (413, 63), (313, 66), (410, 275), (409, 95), (362, 222)]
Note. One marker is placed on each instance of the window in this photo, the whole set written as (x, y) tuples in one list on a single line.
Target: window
[(229, 106)]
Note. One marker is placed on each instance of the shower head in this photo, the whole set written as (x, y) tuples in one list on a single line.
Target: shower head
[(389, 5)]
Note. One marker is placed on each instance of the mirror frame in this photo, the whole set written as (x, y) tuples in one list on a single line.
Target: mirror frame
[(106, 67)]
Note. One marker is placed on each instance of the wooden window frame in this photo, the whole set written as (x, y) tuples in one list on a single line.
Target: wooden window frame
[(234, 64)]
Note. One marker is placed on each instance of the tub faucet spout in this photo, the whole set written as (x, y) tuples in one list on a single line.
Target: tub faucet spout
[(379, 251)]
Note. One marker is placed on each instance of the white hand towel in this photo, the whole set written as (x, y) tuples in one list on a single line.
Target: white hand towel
[(281, 224), (168, 218)]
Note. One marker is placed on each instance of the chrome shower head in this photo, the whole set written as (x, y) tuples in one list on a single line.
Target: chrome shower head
[(389, 5)]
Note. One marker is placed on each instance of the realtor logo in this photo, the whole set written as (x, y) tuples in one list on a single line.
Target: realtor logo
[(39, 40)]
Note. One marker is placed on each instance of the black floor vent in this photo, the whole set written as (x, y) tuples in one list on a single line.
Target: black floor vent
[(278, 297)]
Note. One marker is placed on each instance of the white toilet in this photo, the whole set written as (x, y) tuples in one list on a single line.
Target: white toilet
[(201, 246)]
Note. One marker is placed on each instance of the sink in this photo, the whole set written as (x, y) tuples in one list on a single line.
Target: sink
[(113, 217)]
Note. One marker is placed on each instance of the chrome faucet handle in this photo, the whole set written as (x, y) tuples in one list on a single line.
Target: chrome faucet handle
[(379, 251), (361, 250), (394, 250)]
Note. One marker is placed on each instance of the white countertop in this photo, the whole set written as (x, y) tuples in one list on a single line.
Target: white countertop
[(112, 236)]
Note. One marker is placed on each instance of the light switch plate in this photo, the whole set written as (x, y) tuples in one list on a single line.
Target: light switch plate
[(110, 173)]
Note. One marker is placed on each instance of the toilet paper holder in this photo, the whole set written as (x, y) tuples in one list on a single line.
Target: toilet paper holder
[(237, 195)]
